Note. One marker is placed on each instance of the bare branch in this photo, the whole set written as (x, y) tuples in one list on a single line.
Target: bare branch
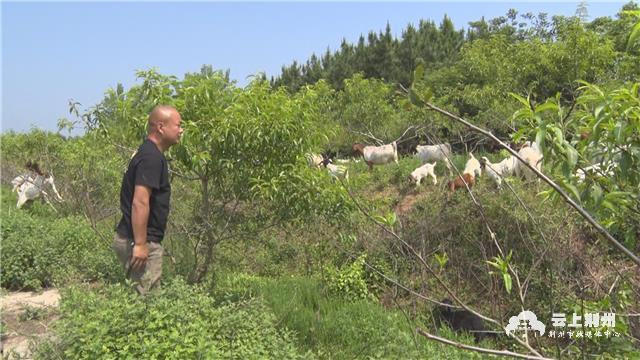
[(369, 135), (479, 349), (419, 257), (404, 133)]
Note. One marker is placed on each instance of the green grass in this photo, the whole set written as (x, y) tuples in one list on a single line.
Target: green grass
[(333, 328)]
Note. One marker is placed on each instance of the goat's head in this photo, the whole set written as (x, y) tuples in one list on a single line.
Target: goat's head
[(33, 166), (414, 149), (326, 161), (447, 307), (483, 162), (358, 149)]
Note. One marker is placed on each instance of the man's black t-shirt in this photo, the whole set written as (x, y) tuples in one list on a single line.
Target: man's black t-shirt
[(147, 167)]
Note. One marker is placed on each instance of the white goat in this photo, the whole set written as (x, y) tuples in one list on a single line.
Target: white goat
[(472, 167), (314, 160), (17, 181), (422, 171), (337, 171), (534, 145), (31, 188), (500, 170), (532, 155), (439, 152), (377, 155)]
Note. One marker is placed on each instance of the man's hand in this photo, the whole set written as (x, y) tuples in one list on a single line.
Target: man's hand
[(139, 257)]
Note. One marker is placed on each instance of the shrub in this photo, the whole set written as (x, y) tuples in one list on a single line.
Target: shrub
[(44, 251), (332, 327), (176, 322), (349, 282)]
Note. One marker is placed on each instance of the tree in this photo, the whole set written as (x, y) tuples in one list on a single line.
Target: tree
[(599, 140), (243, 149)]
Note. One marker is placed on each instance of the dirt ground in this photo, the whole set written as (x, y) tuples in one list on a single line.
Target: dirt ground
[(406, 204), (25, 316)]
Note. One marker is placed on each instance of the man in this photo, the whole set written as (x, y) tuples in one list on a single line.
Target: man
[(144, 201)]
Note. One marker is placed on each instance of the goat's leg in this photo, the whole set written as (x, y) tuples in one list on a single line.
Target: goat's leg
[(370, 165), (21, 201)]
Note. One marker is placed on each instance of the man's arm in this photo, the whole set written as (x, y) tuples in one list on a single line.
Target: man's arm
[(139, 220)]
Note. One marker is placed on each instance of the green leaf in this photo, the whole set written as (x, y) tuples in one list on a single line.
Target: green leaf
[(494, 264), (607, 204), (541, 134), (392, 219), (521, 99), (507, 282), (596, 193), (574, 191), (633, 37), (598, 110), (523, 113), (547, 106), (572, 155), (617, 132)]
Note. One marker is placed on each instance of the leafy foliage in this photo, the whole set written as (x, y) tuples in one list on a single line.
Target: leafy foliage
[(177, 322), (332, 327), (39, 252), (602, 132)]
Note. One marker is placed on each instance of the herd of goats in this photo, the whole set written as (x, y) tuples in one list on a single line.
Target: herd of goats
[(429, 155), (31, 185)]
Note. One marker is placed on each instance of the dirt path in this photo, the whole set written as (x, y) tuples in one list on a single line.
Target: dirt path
[(26, 316), (406, 204)]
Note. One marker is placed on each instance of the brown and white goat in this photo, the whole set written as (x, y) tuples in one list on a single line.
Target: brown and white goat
[(460, 181), (377, 155)]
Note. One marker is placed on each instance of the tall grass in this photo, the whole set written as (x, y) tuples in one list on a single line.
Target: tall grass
[(333, 328)]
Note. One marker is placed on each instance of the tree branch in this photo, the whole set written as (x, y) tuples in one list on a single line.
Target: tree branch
[(478, 349), (557, 188)]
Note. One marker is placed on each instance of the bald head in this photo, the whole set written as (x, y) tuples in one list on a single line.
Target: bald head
[(160, 114)]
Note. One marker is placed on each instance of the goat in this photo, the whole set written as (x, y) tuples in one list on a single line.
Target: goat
[(17, 181), (439, 152), (21, 179), (422, 171), (377, 155), (31, 187), (460, 181), (460, 320), (314, 160), (500, 170), (337, 171), (472, 167), (532, 155)]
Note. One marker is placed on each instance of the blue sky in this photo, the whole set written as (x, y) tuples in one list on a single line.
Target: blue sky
[(53, 52)]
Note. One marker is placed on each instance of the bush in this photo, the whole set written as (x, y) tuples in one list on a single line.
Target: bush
[(331, 327), (44, 251), (176, 322), (349, 282)]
